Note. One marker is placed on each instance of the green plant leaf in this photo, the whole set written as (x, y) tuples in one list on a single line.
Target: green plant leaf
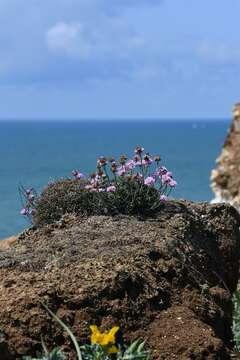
[(66, 328), (55, 354), (44, 346)]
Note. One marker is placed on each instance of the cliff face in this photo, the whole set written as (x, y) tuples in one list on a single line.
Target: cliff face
[(167, 279), (226, 177)]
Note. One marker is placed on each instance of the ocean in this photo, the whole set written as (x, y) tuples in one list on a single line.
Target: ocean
[(34, 153)]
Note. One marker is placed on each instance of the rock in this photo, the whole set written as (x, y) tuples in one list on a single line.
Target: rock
[(226, 177), (7, 243), (167, 279)]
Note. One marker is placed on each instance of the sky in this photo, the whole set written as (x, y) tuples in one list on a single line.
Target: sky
[(119, 59)]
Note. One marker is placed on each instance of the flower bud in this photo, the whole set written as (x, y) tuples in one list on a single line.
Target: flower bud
[(139, 150), (157, 158), (123, 159)]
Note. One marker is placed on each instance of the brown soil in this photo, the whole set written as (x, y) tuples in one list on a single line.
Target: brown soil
[(167, 279)]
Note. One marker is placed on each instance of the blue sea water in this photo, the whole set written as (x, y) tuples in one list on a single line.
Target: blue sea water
[(33, 153)]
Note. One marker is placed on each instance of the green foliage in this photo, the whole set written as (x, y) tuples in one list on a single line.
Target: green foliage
[(55, 354), (134, 198), (131, 186), (66, 328), (61, 197), (135, 351), (131, 197), (94, 352), (236, 320)]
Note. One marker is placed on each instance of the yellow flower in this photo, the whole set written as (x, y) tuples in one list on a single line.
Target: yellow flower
[(113, 350), (104, 339)]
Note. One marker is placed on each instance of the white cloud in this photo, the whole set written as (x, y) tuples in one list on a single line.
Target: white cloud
[(104, 38), (86, 38), (69, 38)]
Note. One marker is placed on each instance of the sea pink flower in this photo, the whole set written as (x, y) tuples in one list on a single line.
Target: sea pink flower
[(77, 174), (95, 180), (147, 162), (24, 212), (31, 197), (172, 183), (102, 161), (130, 164), (111, 188), (88, 187), (163, 198), (93, 189), (80, 176), (149, 181), (101, 190), (139, 150), (166, 179), (169, 174), (121, 171), (162, 170), (137, 160), (28, 191)]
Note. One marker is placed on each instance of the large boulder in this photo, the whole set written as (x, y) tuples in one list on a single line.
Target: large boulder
[(226, 177), (167, 279)]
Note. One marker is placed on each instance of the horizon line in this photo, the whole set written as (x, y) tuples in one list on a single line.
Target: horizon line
[(102, 119)]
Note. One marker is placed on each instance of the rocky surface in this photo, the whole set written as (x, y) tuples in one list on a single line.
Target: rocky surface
[(167, 279), (226, 177)]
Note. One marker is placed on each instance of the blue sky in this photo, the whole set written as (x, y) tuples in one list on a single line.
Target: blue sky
[(119, 58)]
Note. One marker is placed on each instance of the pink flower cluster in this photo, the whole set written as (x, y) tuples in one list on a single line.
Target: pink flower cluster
[(78, 175), (138, 168), (28, 198), (166, 177), (142, 168)]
